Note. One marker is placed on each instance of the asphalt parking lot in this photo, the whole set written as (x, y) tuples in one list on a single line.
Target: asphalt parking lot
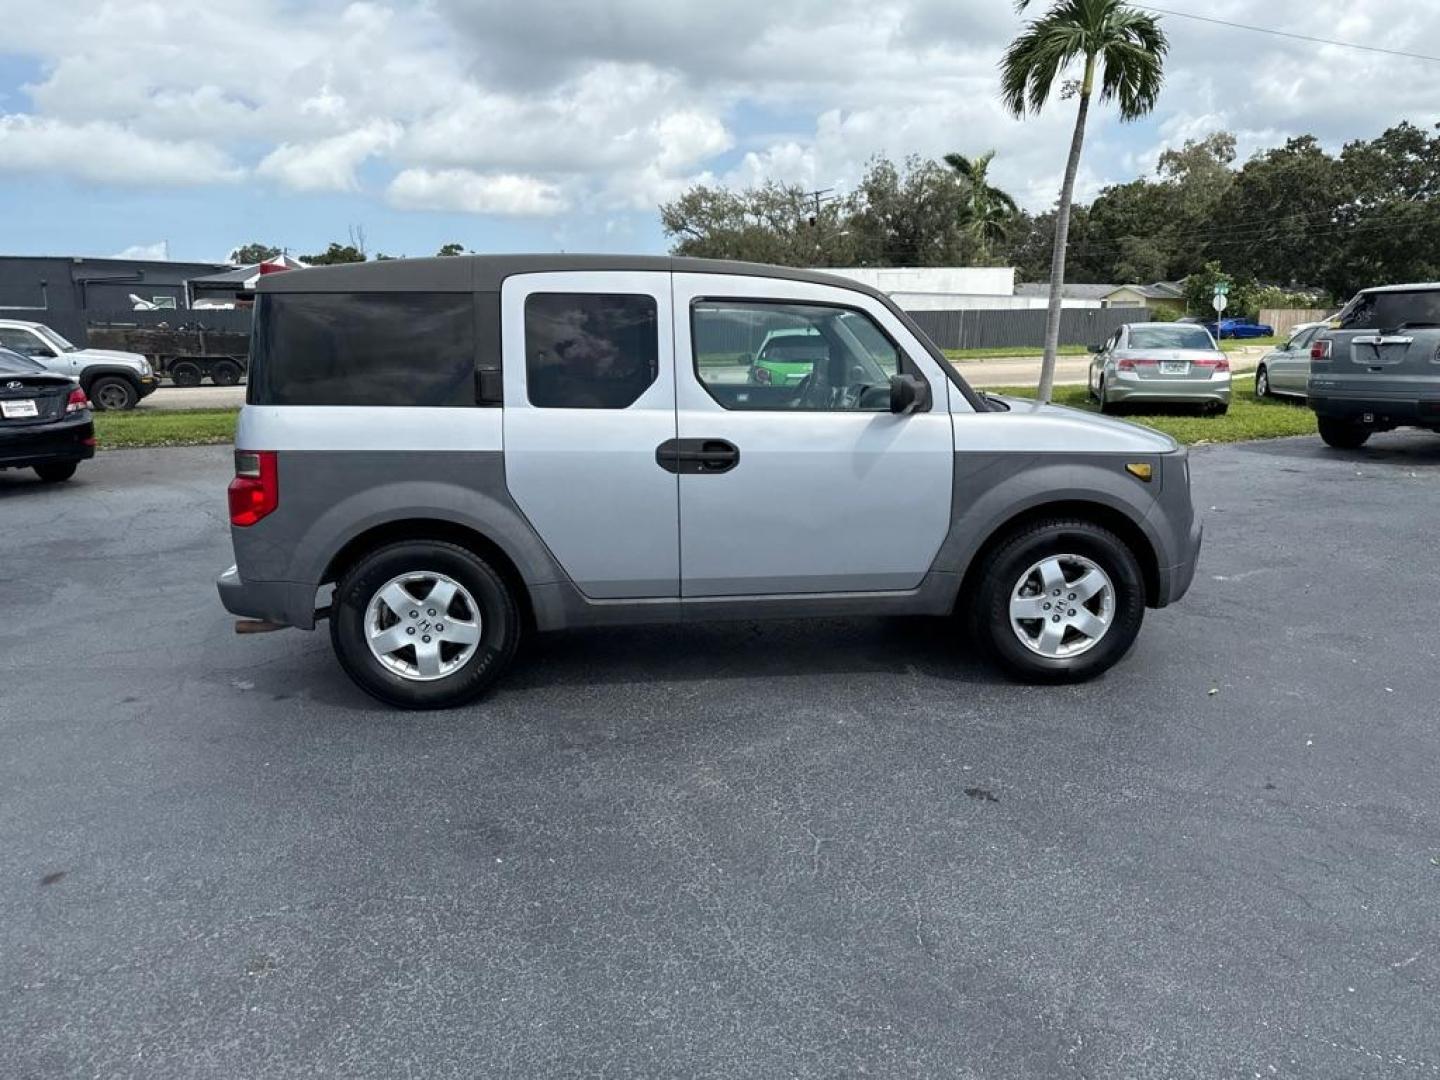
[(761, 850)]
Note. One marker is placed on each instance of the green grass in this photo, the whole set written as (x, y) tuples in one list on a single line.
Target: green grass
[(1248, 418), (1233, 344), (182, 427), (1011, 352)]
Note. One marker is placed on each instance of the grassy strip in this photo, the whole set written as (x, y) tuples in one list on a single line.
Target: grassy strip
[(1236, 344), (1248, 418), (181, 427), (1011, 353)]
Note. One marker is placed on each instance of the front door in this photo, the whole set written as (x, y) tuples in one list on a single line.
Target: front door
[(795, 476), (589, 379)]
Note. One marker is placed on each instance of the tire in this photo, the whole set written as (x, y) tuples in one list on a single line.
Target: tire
[(1219, 410), (1077, 547), (186, 373), (1105, 406), (113, 393), (1341, 434), (225, 373), (1262, 384), (359, 597), (56, 474)]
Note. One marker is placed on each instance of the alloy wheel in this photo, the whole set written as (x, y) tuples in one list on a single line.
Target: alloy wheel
[(422, 626), (1062, 606)]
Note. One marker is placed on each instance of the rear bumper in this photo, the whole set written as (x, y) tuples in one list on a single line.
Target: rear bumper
[(1378, 410), (72, 439), (1120, 390), (285, 602)]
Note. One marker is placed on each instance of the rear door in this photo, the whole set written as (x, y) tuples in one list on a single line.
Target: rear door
[(589, 378), (805, 487), (1386, 347)]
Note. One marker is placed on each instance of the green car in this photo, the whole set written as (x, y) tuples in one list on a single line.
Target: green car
[(786, 357)]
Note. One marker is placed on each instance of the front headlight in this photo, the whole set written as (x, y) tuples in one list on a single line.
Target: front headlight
[(145, 368)]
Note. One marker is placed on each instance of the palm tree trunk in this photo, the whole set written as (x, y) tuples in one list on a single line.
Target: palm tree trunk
[(1062, 238)]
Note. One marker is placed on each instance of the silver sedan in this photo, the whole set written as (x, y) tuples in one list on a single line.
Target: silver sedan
[(1160, 363), (1286, 368)]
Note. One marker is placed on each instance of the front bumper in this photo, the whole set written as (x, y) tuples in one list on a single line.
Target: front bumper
[(70, 439), (285, 602), (148, 385)]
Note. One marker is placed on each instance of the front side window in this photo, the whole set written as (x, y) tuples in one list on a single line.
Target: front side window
[(754, 355), (415, 349), (590, 350), (56, 339), (23, 342)]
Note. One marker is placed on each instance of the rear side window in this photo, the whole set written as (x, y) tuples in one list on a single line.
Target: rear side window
[(415, 349), (1391, 310), (590, 350)]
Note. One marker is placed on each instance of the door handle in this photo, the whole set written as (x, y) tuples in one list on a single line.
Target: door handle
[(695, 456)]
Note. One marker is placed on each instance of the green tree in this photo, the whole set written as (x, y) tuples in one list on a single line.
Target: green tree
[(449, 250), (250, 254), (908, 215), (334, 255), (1283, 201), (1123, 50), (1242, 301), (775, 223), (988, 211)]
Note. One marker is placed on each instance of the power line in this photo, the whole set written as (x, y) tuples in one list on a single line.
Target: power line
[(1288, 34)]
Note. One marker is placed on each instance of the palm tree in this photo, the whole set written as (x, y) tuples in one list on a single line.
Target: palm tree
[(1126, 50), (988, 210)]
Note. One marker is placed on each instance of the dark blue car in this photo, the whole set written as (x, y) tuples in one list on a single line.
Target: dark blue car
[(1236, 328)]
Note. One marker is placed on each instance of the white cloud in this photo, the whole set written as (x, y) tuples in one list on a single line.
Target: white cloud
[(156, 252), (464, 191), (108, 153), (328, 164), (551, 108)]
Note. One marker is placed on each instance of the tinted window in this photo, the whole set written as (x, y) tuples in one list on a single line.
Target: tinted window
[(753, 355), (363, 349), (1391, 310), (21, 341), (1170, 337), (15, 364), (590, 350)]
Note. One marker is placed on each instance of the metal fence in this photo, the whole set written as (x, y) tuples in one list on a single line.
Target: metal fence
[(1023, 328)]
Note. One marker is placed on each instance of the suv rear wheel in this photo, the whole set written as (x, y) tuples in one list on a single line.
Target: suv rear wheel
[(1059, 601), (1341, 434), (424, 625)]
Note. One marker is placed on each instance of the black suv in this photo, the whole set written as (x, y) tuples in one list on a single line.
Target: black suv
[(1376, 366)]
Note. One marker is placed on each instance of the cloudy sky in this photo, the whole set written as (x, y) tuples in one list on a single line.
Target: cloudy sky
[(506, 125)]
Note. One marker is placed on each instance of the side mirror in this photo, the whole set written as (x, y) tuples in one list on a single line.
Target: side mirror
[(908, 394), (39, 352), (1097, 348)]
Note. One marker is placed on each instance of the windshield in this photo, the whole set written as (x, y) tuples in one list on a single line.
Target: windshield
[(1173, 336), (14, 364), (55, 339)]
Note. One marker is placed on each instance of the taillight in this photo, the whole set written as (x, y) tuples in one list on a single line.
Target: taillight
[(1124, 364), (255, 491), (77, 402), (1219, 363), (1320, 350)]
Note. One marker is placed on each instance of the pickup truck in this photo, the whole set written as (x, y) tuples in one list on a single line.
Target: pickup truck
[(111, 379)]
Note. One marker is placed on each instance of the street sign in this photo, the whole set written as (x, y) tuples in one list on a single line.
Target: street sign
[(1219, 301)]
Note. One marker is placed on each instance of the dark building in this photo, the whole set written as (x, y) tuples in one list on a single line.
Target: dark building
[(67, 293)]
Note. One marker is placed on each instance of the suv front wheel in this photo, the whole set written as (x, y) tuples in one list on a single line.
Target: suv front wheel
[(1059, 601), (424, 625)]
